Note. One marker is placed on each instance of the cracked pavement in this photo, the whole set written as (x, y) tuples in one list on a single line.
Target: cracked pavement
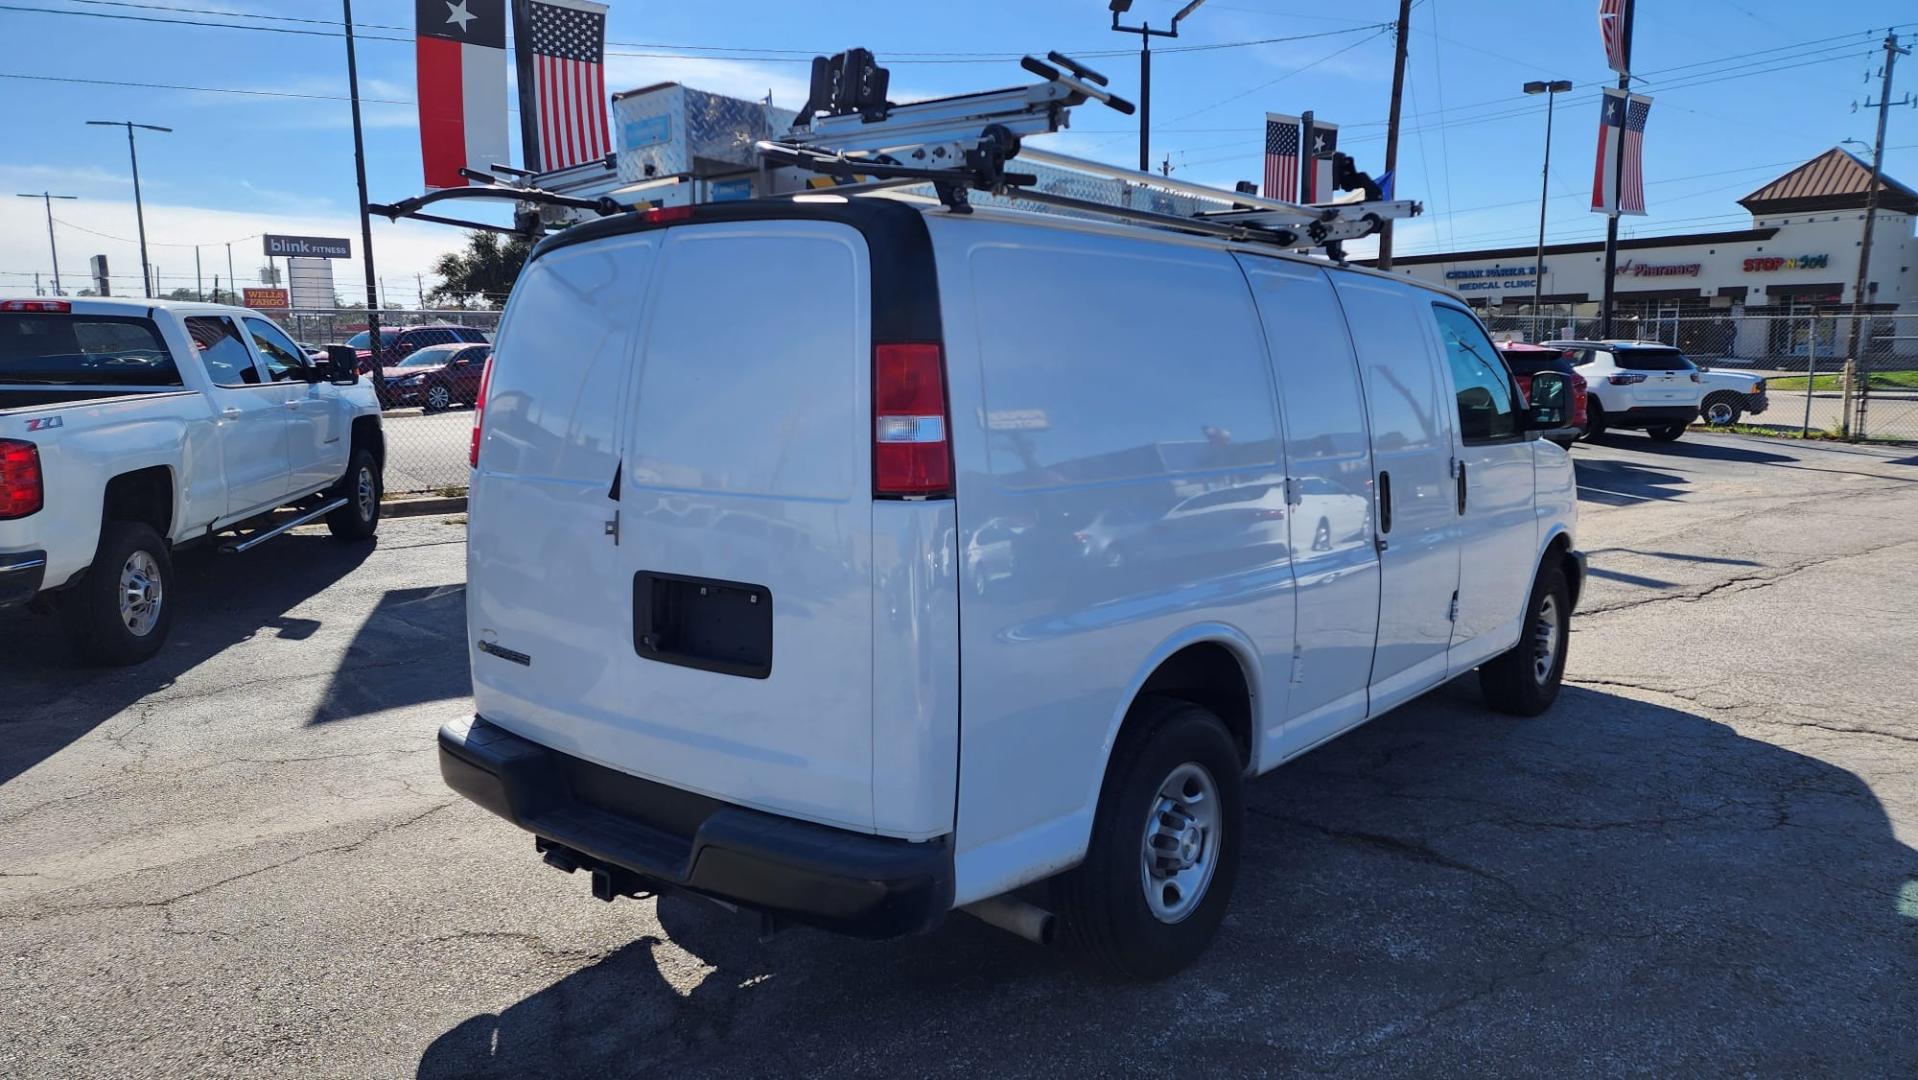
[(240, 860)]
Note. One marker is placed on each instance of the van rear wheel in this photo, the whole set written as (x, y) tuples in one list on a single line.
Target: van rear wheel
[(1164, 855), (1525, 680)]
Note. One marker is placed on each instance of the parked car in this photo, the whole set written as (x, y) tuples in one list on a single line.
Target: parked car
[(397, 343), (1730, 396), (315, 353), (131, 427), (1528, 360), (1636, 384), (773, 717), (437, 377)]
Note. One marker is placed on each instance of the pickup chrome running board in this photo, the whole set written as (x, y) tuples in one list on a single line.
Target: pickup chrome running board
[(251, 542)]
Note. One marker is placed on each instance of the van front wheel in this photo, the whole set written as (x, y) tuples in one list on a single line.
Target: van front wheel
[(1165, 845), (1524, 680)]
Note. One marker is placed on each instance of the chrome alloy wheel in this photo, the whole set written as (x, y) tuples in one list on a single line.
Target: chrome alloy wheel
[(366, 494), (1719, 412), (439, 398), (1180, 848), (141, 593), (1545, 638)]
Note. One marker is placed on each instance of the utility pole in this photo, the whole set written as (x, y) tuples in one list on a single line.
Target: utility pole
[(47, 198), (139, 212), (1392, 126), (419, 286), (1551, 90), (1165, 167), (1146, 34), (1611, 222), (1892, 53), (199, 283), (232, 283), (366, 220)]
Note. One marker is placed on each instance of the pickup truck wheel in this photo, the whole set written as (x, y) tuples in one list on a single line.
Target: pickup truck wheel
[(1524, 681), (361, 486), (120, 613), (1164, 854), (1666, 432), (1722, 409)]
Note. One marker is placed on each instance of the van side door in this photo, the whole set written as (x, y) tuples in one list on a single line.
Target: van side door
[(1328, 454), (250, 412), (1408, 404), (1492, 486)]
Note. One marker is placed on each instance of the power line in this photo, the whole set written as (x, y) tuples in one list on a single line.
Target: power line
[(197, 89)]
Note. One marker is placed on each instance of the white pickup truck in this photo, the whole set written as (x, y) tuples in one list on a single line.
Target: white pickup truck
[(129, 427)]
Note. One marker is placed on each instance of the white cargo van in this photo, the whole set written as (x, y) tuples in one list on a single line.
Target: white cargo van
[(740, 470)]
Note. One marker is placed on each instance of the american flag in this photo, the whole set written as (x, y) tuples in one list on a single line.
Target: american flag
[(1615, 27), (1631, 198), (1281, 157), (566, 43)]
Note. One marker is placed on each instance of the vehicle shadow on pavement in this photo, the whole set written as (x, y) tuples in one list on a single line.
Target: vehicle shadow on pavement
[(1611, 482), (1710, 449), (1615, 884), (410, 650), (48, 698)]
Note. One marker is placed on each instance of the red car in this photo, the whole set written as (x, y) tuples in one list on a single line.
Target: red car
[(398, 343), (437, 377), (1526, 361)]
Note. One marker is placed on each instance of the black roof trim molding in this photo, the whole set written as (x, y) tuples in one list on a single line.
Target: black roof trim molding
[(1639, 243)]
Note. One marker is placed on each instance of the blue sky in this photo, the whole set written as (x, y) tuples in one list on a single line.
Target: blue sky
[(1742, 91)]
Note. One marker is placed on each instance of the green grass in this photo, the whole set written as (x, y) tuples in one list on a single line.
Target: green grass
[(1880, 380), (1769, 432)]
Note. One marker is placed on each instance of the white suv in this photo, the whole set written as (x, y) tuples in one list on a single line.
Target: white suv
[(821, 565), (1636, 384)]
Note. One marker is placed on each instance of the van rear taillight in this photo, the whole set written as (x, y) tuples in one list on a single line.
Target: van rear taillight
[(479, 411), (911, 454), (22, 489)]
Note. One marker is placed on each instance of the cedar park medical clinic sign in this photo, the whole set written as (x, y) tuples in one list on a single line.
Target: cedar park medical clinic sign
[(308, 247)]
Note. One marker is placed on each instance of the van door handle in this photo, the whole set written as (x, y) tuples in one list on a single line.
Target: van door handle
[(1461, 487), (1385, 506), (230, 410)]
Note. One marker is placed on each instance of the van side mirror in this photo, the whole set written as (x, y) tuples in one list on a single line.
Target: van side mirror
[(341, 366), (1551, 402)]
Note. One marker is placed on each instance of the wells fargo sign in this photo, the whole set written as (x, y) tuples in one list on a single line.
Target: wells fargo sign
[(1765, 264)]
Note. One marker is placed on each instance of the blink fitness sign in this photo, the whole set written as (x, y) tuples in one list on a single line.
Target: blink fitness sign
[(308, 247), (1767, 264), (1494, 277)]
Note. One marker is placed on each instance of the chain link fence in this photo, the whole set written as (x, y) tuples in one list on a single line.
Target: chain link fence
[(426, 441), (1811, 386)]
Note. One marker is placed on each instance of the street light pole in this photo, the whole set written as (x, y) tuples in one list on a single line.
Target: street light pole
[(1146, 34), (139, 211), (1551, 90), (47, 198)]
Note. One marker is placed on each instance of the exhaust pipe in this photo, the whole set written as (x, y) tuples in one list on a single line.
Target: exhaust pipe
[(1013, 915)]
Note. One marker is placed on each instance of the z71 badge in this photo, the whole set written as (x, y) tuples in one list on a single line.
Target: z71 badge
[(45, 423)]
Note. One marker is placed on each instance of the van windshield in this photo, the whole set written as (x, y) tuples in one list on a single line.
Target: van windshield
[(1652, 360), (91, 350)]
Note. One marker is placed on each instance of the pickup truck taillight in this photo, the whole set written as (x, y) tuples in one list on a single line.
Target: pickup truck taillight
[(22, 491)]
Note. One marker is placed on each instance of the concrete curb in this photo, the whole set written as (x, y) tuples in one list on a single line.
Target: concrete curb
[(423, 507)]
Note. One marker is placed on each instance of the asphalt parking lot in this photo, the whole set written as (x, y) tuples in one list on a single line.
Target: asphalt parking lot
[(240, 860)]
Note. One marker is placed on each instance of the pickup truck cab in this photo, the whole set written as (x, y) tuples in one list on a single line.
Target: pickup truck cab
[(852, 561), (129, 427)]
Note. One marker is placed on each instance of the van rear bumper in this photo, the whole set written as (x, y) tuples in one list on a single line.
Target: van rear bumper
[(635, 834)]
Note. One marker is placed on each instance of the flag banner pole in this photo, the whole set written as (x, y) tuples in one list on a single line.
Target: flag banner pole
[(1282, 144), (460, 51)]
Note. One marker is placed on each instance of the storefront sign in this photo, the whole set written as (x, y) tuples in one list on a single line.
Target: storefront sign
[(1767, 264), (1639, 269), (1495, 272), (264, 298), (1502, 283), (321, 247)]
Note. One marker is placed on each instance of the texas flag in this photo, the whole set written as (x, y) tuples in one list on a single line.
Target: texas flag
[(462, 87)]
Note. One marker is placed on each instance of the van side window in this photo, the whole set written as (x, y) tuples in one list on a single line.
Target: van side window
[(1485, 409), (222, 350)]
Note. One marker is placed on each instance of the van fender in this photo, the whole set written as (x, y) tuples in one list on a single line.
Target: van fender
[(1237, 642)]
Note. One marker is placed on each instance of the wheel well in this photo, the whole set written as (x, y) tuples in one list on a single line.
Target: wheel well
[(144, 495), (1561, 549), (367, 433), (1207, 674), (1733, 394)]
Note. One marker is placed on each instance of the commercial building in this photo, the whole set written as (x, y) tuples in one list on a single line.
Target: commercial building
[(1737, 292)]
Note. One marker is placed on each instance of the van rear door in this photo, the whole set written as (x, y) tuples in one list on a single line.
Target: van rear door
[(746, 518)]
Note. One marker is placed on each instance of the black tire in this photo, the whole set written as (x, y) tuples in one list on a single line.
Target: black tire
[(1322, 536), (1666, 432), (1513, 682), (360, 517), (1594, 420), (1101, 904), (1723, 409), (444, 395), (95, 623)]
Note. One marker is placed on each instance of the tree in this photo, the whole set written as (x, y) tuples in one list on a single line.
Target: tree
[(484, 272)]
